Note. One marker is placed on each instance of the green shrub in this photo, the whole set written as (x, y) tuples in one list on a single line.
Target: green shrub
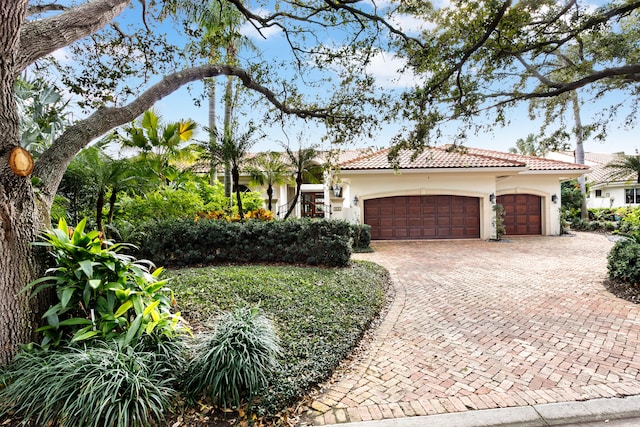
[(102, 293), (498, 221), (602, 214), (571, 198), (624, 261), (610, 225), (294, 241), (232, 365), (630, 220), (97, 386), (578, 224), (163, 203), (361, 234), (182, 203)]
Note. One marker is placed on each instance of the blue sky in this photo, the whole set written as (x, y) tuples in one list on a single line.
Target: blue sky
[(180, 106)]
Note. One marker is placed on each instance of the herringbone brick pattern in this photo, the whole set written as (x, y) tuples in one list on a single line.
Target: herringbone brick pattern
[(479, 325)]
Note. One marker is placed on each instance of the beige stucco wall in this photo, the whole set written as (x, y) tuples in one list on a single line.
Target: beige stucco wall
[(368, 185), (376, 184), (387, 183)]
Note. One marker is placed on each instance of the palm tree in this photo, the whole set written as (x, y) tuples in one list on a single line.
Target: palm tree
[(108, 176), (160, 145), (624, 166), (220, 23), (269, 168), (304, 168), (232, 150)]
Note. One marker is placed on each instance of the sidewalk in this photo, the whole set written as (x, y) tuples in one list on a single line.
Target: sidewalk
[(614, 412)]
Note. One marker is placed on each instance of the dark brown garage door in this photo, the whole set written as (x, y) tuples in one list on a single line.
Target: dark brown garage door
[(522, 214), (423, 217)]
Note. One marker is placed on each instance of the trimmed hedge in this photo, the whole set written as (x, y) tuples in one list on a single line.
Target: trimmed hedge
[(295, 241)]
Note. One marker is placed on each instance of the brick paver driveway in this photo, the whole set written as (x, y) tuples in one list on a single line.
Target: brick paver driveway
[(478, 325)]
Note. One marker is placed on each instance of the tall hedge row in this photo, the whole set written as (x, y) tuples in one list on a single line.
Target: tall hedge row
[(296, 241)]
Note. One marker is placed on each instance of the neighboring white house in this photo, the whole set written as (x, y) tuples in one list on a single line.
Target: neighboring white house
[(603, 190), (441, 194)]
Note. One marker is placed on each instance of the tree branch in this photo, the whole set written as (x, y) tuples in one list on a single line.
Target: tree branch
[(594, 21), (457, 68), (331, 7), (53, 162), (41, 8), (534, 72), (41, 37), (627, 73), (357, 13)]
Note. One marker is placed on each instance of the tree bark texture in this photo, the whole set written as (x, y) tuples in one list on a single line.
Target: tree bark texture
[(228, 114), (18, 215), (270, 195), (213, 164), (296, 197), (579, 133)]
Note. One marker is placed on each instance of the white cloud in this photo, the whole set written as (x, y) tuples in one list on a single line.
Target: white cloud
[(62, 56), (250, 31), (441, 4), (385, 67), (410, 24)]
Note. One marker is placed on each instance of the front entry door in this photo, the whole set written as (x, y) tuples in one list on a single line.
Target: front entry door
[(313, 205)]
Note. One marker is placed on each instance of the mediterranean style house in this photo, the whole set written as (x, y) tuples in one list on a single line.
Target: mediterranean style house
[(605, 188), (439, 194)]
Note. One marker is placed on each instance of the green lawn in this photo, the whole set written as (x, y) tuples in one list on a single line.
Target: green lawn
[(320, 313)]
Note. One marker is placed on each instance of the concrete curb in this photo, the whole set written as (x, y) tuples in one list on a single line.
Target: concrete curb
[(550, 414)]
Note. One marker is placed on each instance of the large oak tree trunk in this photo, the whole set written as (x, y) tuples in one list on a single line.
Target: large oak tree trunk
[(22, 216), (17, 265), (18, 211)]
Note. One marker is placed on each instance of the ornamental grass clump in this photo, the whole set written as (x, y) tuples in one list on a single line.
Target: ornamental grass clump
[(104, 385), (233, 364)]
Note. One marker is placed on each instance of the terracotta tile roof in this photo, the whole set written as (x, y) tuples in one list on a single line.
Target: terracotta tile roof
[(534, 163), (600, 173), (431, 158), (441, 158)]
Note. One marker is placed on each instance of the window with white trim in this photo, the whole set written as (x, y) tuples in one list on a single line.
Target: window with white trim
[(632, 195)]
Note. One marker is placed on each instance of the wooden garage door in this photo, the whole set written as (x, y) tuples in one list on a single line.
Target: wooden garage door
[(522, 214), (423, 217)]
